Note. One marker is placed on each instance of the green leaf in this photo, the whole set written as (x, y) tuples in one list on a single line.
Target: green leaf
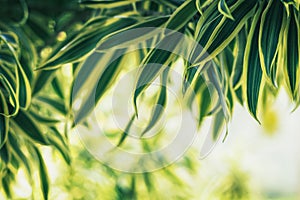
[(4, 126), (126, 131), (252, 65), (109, 4), (133, 34), (44, 178), (18, 152), (43, 119), (239, 58), (86, 41), (182, 15), (156, 60), (218, 31), (160, 103), (292, 52), (224, 9), (270, 28), (43, 77), (204, 103), (4, 154), (12, 96), (53, 103), (104, 71), (23, 86), (215, 80), (57, 86), (64, 151), (218, 123), (29, 127)]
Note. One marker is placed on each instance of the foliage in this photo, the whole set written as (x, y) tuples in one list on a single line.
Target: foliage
[(253, 48)]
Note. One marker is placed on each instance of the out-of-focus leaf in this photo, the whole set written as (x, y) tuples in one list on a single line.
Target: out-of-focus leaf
[(218, 124), (56, 104), (58, 87), (18, 152), (43, 119), (6, 187), (60, 147), (133, 34), (44, 179), (86, 41), (4, 154), (126, 131), (29, 127), (160, 104), (42, 78), (205, 102), (223, 8), (215, 80), (182, 15), (270, 28), (252, 65), (292, 51)]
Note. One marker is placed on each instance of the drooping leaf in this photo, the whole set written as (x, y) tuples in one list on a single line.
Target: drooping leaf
[(18, 152), (29, 127), (154, 63), (239, 58), (160, 103), (292, 51), (126, 131), (43, 174), (270, 28), (105, 68), (252, 65)]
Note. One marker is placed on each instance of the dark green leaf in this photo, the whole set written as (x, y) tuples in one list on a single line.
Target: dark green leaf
[(252, 65), (182, 15), (44, 179), (292, 52), (3, 120), (270, 28), (223, 8), (29, 127)]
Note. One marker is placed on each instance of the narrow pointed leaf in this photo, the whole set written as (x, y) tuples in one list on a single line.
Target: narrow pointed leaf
[(133, 34), (252, 66), (270, 27), (224, 9), (160, 104), (43, 173), (292, 52), (182, 15), (3, 120), (30, 127)]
